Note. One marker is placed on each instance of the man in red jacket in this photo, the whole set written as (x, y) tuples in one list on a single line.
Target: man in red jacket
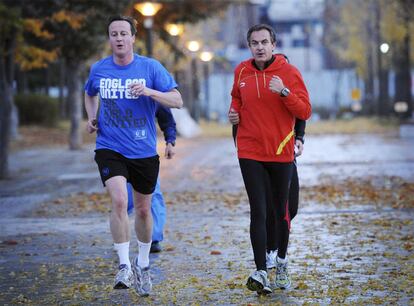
[(268, 95)]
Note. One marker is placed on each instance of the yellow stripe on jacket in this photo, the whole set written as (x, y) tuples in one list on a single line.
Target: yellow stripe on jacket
[(284, 142)]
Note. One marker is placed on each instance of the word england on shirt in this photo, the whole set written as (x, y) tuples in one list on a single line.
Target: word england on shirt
[(117, 88)]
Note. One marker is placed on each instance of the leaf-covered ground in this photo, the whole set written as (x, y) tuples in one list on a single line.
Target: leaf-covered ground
[(351, 243)]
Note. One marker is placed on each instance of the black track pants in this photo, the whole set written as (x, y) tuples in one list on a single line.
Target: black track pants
[(273, 233), (257, 175)]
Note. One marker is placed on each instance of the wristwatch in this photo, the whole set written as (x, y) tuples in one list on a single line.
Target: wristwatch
[(284, 92)]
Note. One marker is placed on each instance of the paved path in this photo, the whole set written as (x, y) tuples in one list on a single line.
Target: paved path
[(351, 253)]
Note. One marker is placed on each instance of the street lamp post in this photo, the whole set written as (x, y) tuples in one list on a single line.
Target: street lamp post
[(175, 30), (206, 57), (383, 76), (148, 10), (193, 46)]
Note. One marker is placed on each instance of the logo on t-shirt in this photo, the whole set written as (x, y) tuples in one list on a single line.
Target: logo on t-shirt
[(117, 88), (140, 134)]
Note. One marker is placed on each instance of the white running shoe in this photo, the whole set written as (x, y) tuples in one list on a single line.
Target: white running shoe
[(271, 259), (124, 278), (143, 284), (282, 275), (259, 282)]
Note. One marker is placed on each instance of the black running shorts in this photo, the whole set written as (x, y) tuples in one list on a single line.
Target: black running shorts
[(142, 173)]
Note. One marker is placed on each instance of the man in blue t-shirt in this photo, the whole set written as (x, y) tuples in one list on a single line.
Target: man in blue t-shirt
[(121, 94)]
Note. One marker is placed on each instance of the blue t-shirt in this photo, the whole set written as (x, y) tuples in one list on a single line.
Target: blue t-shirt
[(127, 124)]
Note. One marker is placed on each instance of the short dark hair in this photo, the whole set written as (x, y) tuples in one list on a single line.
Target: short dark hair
[(259, 27), (132, 22)]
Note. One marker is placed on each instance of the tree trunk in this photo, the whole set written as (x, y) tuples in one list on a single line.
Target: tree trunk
[(195, 87), (337, 102), (402, 63), (75, 104), (62, 99), (403, 77), (384, 106), (186, 85), (6, 101), (369, 88), (47, 80), (382, 72)]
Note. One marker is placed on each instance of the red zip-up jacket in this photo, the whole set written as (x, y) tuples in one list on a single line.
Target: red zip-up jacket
[(267, 120)]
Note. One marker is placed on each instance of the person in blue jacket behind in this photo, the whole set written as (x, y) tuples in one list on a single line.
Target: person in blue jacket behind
[(158, 209)]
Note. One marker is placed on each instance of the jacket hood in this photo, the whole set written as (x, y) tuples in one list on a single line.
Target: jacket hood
[(279, 61)]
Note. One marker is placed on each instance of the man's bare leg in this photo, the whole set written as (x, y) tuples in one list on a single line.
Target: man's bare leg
[(143, 216), (119, 221), (143, 226), (119, 224)]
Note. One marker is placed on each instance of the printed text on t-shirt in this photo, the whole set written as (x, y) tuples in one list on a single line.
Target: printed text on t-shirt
[(117, 88)]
